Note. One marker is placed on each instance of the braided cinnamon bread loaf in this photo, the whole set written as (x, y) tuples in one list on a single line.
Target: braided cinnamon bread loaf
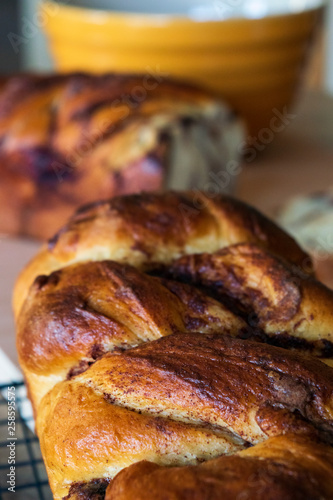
[(71, 139), (178, 329)]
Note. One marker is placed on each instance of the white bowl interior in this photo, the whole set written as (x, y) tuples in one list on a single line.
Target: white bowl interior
[(202, 9)]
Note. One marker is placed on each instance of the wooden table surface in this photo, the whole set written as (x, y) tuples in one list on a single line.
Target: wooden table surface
[(298, 159)]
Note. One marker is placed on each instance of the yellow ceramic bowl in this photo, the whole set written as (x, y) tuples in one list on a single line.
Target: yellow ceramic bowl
[(255, 63)]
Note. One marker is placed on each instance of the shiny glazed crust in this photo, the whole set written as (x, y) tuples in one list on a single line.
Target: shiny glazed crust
[(284, 467), (143, 230), (66, 140), (175, 329), (179, 400), (81, 312)]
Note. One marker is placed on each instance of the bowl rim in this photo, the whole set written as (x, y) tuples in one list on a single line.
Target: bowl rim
[(101, 16)]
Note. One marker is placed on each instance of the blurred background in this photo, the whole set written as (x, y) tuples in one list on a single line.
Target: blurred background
[(17, 17)]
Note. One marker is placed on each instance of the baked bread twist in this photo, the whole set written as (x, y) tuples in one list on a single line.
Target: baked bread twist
[(178, 400), (284, 467), (177, 329), (145, 230), (66, 140)]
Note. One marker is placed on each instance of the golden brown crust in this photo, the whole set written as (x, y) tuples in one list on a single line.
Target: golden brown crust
[(176, 400), (80, 312), (219, 369), (158, 315), (84, 436), (141, 230), (287, 307), (286, 467), (66, 140), (69, 319)]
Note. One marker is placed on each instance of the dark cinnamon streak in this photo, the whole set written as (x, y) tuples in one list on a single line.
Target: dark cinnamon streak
[(234, 375), (91, 490)]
